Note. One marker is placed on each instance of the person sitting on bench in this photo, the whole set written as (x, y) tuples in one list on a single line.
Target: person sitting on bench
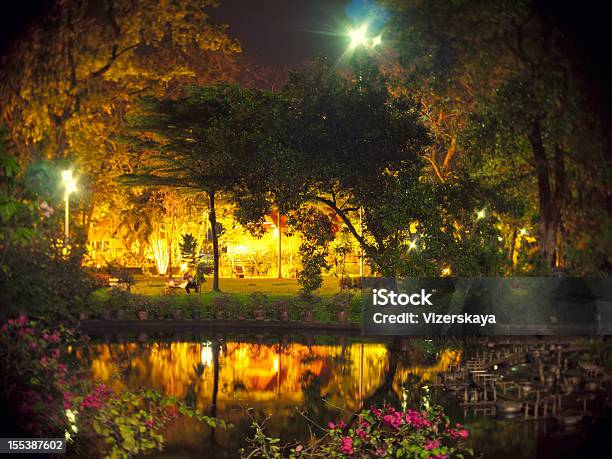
[(191, 284)]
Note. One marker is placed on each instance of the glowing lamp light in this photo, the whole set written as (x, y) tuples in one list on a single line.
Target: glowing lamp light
[(71, 187), (206, 354), (67, 176), (480, 214), (184, 267), (523, 231), (447, 271), (358, 36), (412, 245)]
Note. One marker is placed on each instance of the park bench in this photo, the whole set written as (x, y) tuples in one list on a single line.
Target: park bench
[(239, 272)]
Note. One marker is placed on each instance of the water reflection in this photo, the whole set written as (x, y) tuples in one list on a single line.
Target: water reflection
[(281, 376), (224, 377)]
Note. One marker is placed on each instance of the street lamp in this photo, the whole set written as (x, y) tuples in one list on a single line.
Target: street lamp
[(359, 37), (70, 187)]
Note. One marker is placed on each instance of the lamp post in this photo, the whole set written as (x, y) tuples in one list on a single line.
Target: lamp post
[(70, 187)]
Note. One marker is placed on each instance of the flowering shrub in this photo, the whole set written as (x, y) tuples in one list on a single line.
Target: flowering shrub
[(378, 432), (54, 400)]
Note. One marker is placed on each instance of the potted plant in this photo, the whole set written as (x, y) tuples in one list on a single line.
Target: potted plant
[(223, 307), (257, 302), (282, 309), (142, 310), (305, 309), (340, 305), (178, 314)]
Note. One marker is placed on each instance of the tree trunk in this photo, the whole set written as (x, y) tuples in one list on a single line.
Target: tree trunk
[(212, 217), (549, 202)]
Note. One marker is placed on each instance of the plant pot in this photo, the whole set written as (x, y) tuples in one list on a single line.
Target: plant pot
[(178, 314), (284, 316), (342, 316), (308, 316), (259, 314), (195, 314), (120, 314), (83, 316), (143, 315), (219, 315), (107, 315)]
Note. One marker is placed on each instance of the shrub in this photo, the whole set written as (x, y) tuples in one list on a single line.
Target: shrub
[(341, 302), (47, 393), (226, 304), (259, 302), (379, 432)]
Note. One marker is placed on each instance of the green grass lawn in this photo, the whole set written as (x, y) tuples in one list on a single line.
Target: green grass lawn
[(155, 286)]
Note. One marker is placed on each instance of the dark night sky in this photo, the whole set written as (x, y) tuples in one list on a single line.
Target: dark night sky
[(278, 33), (273, 32), (282, 33)]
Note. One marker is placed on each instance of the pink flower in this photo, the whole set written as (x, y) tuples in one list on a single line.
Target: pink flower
[(32, 345), (5, 327), (22, 320), (380, 452), (347, 445), (439, 456), (417, 420), (431, 444), (149, 423), (360, 433), (331, 425), (365, 424), (392, 420), (55, 353), (463, 433)]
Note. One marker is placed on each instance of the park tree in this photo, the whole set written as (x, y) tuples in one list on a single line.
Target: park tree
[(205, 142), (350, 146), (507, 71), (68, 82)]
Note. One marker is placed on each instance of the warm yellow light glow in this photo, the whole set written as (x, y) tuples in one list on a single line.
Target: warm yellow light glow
[(447, 271), (480, 214), (206, 354), (71, 187), (523, 231), (183, 267), (358, 36), (67, 176), (376, 41), (161, 255), (412, 245)]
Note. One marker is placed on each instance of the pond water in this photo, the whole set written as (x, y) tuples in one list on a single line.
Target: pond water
[(297, 383)]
